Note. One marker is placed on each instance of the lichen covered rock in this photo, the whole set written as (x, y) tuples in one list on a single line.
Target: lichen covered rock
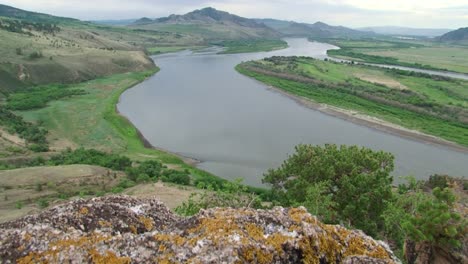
[(120, 229)]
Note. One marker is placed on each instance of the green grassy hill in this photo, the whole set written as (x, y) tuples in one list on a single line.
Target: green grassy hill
[(41, 49)]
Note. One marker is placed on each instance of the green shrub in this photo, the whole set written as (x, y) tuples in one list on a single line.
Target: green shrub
[(143, 178), (355, 181), (435, 221), (19, 205), (177, 178), (232, 194), (43, 203)]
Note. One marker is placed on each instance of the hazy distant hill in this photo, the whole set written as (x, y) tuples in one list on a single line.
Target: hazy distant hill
[(458, 36), (406, 31), (316, 30), (119, 22), (211, 24)]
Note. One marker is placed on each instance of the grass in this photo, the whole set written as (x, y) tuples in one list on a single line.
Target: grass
[(420, 54), (339, 85), (244, 46), (169, 49)]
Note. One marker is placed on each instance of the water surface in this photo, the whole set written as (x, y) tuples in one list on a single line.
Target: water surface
[(200, 107)]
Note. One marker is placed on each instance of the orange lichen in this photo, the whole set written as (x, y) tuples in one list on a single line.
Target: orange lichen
[(109, 258), (147, 222)]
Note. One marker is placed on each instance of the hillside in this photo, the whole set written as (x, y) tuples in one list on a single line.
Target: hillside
[(211, 24), (406, 31), (457, 36), (318, 30), (41, 49)]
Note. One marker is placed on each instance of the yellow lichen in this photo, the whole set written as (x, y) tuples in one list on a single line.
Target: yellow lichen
[(147, 222), (84, 210), (109, 258), (133, 229), (105, 223), (86, 243), (254, 232), (173, 239)]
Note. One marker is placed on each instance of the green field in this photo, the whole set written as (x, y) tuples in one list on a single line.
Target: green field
[(244, 46), (169, 49), (437, 106), (420, 54)]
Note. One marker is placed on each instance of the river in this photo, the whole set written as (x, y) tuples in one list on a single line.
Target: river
[(200, 107)]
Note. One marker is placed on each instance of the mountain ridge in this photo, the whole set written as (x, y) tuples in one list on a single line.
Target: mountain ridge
[(318, 29), (406, 31), (458, 36)]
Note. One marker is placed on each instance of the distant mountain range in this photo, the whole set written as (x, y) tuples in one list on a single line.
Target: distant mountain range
[(117, 22), (316, 30), (211, 24), (457, 36), (406, 31)]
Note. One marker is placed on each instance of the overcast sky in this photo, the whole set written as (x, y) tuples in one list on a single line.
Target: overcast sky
[(350, 13)]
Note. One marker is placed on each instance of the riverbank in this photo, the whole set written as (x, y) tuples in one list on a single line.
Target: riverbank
[(371, 122), (381, 102)]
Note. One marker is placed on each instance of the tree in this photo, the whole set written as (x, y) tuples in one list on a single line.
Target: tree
[(436, 222), (357, 181)]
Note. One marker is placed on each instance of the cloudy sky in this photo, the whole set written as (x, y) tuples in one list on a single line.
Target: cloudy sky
[(351, 13)]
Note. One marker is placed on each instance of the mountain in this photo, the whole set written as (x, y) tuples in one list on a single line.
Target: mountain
[(210, 24), (12, 12), (458, 36), (317, 30), (406, 31)]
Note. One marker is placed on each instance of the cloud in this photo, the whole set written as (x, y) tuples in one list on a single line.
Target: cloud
[(352, 13)]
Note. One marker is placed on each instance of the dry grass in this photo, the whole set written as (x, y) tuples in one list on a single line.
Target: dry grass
[(26, 186), (382, 79), (171, 195)]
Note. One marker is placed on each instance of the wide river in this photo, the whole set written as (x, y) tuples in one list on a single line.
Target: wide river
[(200, 107)]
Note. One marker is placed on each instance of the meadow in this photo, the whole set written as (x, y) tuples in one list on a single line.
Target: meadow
[(415, 53)]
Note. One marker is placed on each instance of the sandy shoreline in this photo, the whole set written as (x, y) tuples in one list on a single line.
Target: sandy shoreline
[(372, 122)]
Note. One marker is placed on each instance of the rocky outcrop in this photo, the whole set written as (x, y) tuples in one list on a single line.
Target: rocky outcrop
[(121, 229)]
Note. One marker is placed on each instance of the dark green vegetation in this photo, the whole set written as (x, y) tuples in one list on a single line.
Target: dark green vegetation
[(417, 54), (430, 104), (352, 186), (34, 135), (244, 46), (316, 31), (356, 180), (459, 36), (38, 97)]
